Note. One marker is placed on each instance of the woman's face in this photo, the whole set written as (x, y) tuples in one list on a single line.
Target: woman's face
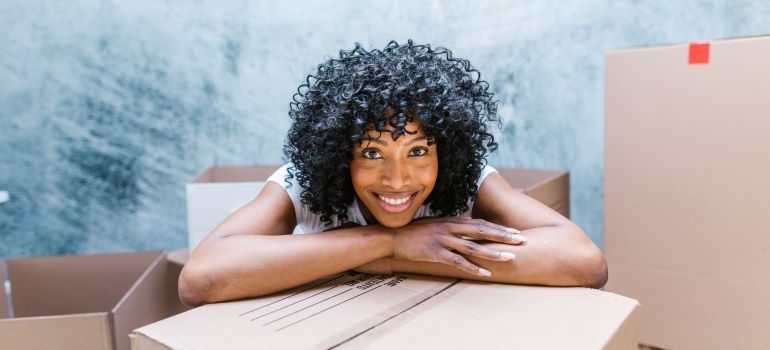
[(393, 178)]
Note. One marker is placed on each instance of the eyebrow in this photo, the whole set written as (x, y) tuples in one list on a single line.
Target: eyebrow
[(385, 143)]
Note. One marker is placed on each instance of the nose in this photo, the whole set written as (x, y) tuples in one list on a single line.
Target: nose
[(396, 175)]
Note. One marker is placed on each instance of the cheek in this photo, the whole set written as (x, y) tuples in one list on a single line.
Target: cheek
[(361, 176), (428, 173)]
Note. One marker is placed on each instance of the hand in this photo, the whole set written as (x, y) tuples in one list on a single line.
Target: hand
[(432, 239)]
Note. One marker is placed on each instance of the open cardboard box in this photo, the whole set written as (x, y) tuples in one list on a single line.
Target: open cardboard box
[(360, 311), (84, 302), (220, 190)]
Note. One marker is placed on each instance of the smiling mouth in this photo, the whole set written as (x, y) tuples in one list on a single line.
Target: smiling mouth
[(395, 203)]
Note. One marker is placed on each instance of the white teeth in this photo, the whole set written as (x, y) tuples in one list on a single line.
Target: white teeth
[(394, 201)]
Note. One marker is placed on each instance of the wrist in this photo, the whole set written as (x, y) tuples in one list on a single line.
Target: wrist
[(387, 234)]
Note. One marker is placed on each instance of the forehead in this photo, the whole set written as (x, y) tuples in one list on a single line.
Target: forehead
[(413, 130)]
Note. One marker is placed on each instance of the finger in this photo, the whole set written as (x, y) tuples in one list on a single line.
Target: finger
[(482, 229), (470, 248), (461, 263)]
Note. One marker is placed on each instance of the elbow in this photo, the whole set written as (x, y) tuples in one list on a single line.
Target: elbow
[(193, 287), (596, 274)]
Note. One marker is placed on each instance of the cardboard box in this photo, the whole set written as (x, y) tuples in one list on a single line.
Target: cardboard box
[(83, 302), (687, 191), (361, 311), (220, 190)]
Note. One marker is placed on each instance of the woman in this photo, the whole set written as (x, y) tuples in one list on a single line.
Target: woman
[(388, 173)]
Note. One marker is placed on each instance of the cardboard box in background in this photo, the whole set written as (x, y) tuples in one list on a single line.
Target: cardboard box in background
[(404, 311), (220, 190), (84, 302), (687, 192)]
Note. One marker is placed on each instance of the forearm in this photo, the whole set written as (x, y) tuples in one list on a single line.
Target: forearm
[(547, 258), (241, 266)]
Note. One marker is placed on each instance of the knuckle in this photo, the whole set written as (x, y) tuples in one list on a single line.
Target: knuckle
[(471, 246), (457, 260)]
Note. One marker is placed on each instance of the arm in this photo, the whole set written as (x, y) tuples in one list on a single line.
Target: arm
[(557, 252), (252, 252)]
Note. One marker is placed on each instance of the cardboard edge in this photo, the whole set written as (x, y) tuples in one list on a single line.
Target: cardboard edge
[(665, 46), (160, 258), (626, 336), (144, 302), (140, 341)]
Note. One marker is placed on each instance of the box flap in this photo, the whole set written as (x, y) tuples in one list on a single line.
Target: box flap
[(179, 256), (492, 315), (245, 173), (73, 284), (547, 186), (150, 299), (68, 332), (319, 315)]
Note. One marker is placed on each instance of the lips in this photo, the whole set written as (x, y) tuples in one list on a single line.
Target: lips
[(395, 202)]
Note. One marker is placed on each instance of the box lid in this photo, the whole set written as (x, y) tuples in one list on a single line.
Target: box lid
[(404, 311)]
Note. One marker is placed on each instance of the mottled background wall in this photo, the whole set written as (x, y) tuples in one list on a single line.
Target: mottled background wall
[(107, 108)]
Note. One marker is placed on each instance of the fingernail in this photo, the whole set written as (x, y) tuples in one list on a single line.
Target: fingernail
[(513, 230), (508, 255), (485, 272)]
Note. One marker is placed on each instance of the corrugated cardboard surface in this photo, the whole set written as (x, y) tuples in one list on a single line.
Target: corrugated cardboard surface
[(146, 302), (3, 298), (687, 189), (318, 315), (413, 311), (84, 302), (550, 187)]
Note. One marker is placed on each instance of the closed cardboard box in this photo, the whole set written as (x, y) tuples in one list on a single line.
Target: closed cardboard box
[(220, 190), (83, 302), (687, 191), (404, 311)]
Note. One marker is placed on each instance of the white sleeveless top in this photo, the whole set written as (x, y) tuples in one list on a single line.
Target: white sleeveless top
[(309, 221)]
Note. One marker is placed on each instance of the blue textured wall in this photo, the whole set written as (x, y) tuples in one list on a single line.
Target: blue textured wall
[(107, 108)]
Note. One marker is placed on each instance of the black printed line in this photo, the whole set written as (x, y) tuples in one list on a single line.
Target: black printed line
[(298, 301), (344, 301), (316, 303), (405, 310), (304, 290)]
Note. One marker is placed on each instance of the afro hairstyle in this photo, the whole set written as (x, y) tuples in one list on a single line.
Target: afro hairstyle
[(349, 95)]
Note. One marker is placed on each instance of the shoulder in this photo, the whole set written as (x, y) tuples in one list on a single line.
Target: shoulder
[(485, 171)]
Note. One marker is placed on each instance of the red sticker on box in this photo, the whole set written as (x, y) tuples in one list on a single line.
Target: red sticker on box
[(699, 52)]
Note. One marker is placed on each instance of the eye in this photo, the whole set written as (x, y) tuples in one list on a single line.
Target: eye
[(417, 152), (371, 154)]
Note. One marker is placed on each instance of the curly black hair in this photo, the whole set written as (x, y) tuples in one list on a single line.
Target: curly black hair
[(348, 96)]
